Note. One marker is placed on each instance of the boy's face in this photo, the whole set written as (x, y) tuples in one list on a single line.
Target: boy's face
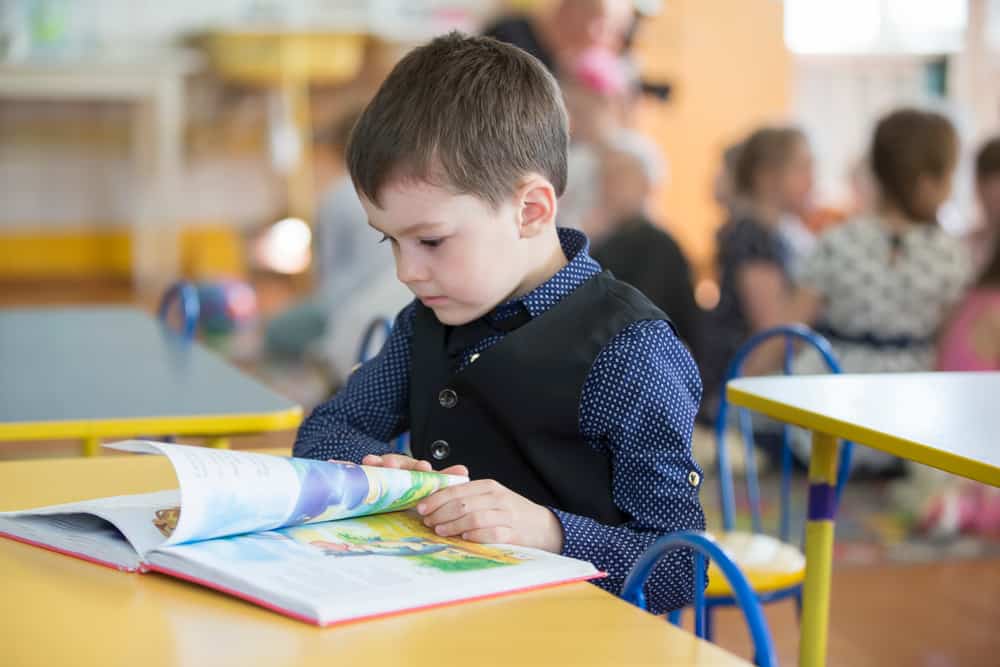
[(456, 253)]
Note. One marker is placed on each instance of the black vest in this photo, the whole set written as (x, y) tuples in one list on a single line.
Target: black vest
[(513, 414)]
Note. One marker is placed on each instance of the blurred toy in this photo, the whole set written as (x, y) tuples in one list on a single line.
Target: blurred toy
[(226, 306), (216, 310)]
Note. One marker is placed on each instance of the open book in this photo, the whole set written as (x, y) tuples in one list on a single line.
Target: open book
[(318, 541)]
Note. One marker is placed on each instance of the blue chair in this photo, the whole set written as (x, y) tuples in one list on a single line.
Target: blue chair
[(704, 546), (187, 295), (774, 567), (365, 352), (378, 325)]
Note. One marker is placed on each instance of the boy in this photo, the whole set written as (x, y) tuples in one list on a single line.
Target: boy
[(563, 392)]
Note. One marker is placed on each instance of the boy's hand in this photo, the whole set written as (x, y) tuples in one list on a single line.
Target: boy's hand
[(409, 463), (486, 511)]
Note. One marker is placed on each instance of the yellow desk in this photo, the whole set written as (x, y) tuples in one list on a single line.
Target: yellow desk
[(93, 373), (950, 421), (56, 610)]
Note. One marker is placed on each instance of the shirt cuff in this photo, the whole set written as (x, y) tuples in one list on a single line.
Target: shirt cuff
[(582, 536)]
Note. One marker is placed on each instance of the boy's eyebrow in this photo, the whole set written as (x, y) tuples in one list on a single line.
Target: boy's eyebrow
[(412, 230)]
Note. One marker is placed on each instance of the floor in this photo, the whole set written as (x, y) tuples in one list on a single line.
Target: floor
[(944, 614), (933, 614)]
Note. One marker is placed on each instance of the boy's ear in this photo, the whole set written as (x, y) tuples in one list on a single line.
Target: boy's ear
[(536, 201)]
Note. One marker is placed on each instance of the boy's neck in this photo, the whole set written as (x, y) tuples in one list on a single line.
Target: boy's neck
[(551, 259)]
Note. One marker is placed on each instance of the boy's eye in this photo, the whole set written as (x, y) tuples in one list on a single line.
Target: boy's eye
[(431, 243)]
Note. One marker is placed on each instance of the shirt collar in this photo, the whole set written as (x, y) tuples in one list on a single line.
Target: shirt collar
[(580, 268)]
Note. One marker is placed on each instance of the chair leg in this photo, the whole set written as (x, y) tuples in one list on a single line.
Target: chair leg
[(709, 621), (675, 616), (91, 446)]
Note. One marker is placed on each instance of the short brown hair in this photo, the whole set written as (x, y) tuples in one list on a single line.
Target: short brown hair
[(765, 148), (908, 144), (988, 159), (471, 111)]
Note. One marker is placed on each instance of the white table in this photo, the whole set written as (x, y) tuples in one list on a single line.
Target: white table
[(950, 421)]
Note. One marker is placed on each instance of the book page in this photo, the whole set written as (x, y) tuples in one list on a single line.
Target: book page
[(363, 567), (144, 521), (231, 492)]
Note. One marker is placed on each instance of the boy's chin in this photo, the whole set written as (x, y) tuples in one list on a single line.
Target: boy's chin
[(454, 316)]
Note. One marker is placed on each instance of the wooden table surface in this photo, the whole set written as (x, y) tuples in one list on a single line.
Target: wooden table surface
[(57, 610)]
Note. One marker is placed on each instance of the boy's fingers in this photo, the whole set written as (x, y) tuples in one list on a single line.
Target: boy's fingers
[(473, 521), (398, 461), (498, 535), (439, 498), (459, 470), (394, 461), (459, 507), (404, 463)]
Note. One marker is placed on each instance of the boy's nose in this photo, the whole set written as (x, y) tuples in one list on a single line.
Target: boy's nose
[(409, 271)]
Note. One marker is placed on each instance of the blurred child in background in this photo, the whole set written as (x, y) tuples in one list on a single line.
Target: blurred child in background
[(627, 242), (556, 37), (971, 341), (590, 89), (984, 240), (773, 178), (724, 186), (950, 506), (601, 90), (885, 282)]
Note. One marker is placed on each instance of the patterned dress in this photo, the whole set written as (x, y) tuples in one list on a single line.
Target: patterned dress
[(886, 296)]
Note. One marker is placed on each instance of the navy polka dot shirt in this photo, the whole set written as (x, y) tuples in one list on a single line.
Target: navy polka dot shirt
[(637, 406)]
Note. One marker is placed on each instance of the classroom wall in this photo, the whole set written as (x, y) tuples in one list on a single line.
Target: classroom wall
[(730, 71), (70, 183)]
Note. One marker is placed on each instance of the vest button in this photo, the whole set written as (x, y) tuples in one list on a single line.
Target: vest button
[(440, 449), (448, 398)]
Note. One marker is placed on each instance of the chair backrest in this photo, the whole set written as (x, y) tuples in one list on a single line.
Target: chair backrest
[(378, 325), (703, 545), (791, 334), (187, 295)]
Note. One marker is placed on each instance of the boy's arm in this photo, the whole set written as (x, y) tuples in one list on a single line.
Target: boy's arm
[(370, 410), (638, 405)]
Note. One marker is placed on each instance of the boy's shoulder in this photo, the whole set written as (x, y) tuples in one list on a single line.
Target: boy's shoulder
[(639, 320), (604, 297)]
